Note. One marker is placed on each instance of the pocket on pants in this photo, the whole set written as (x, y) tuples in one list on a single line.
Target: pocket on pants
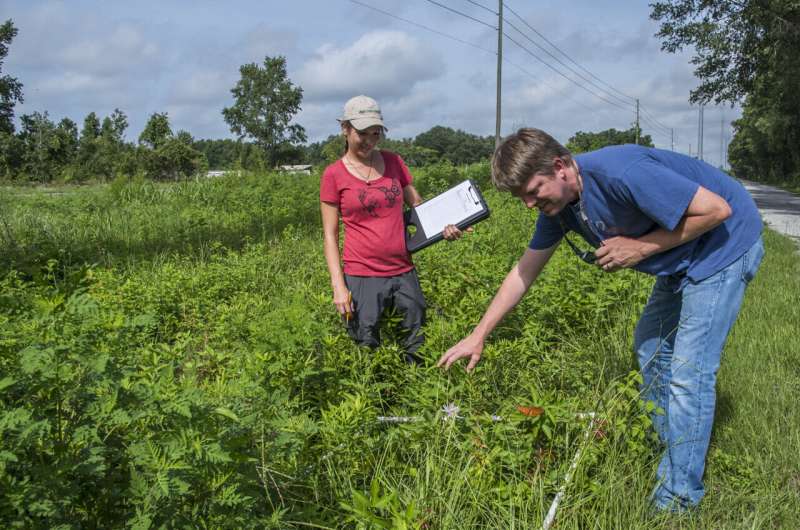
[(751, 261)]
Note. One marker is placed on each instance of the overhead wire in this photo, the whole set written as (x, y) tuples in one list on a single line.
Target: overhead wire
[(473, 2), (598, 96), (545, 83), (573, 61), (616, 102), (417, 24), (645, 116), (562, 63), (653, 118), (493, 52), (457, 12), (649, 119)]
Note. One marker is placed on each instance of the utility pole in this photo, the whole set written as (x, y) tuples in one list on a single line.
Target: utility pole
[(672, 139), (637, 121), (700, 133), (39, 149), (499, 70), (722, 138)]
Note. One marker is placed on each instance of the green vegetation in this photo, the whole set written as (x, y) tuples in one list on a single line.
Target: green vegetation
[(169, 357), (583, 142), (745, 52), (265, 100)]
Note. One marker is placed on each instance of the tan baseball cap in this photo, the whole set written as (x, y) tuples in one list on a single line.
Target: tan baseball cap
[(362, 112)]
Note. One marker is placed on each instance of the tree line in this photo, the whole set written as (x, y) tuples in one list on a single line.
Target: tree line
[(264, 104), (745, 51)]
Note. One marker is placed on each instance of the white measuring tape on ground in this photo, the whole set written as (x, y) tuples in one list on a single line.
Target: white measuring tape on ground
[(451, 411)]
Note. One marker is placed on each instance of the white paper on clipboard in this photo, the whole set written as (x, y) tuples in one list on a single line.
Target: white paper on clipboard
[(449, 208)]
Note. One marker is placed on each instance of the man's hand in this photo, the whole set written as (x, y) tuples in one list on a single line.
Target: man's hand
[(468, 347), (619, 252)]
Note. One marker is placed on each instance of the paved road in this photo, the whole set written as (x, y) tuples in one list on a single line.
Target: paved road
[(780, 209)]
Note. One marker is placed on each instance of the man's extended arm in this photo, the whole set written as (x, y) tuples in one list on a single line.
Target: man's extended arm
[(706, 211), (515, 285)]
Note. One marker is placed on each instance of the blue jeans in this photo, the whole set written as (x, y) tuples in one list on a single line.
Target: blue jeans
[(679, 341)]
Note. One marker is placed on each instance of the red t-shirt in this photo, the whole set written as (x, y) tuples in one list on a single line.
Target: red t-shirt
[(372, 213)]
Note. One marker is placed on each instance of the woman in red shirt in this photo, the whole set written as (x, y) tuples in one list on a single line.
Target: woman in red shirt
[(367, 188)]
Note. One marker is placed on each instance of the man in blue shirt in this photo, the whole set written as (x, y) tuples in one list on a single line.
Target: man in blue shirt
[(689, 224)]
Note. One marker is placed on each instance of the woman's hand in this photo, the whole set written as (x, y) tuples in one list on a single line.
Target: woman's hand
[(451, 232), (343, 300)]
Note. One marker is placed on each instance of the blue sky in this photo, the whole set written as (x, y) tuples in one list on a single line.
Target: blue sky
[(183, 57)]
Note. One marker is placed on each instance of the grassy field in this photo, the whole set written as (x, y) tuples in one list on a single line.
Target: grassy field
[(169, 357)]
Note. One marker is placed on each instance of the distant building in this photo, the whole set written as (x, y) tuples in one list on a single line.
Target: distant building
[(303, 169), (222, 172)]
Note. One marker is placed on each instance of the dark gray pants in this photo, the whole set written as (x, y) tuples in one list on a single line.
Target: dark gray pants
[(373, 294)]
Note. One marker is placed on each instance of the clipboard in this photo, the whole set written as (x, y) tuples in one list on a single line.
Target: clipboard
[(462, 205)]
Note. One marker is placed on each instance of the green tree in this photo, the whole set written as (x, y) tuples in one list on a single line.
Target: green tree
[(114, 127), (165, 156), (583, 142), (185, 137), (745, 50), (414, 155), (41, 147), (457, 146), (86, 165), (67, 139), (332, 148), (11, 156), (174, 159), (735, 42), (10, 87), (221, 154), (265, 101), (156, 131), (112, 152)]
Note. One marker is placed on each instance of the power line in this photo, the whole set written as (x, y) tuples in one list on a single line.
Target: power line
[(495, 13), (564, 76), (655, 127), (423, 27), (545, 83), (505, 60), (647, 116), (562, 63), (653, 118), (650, 121), (457, 12), (567, 56)]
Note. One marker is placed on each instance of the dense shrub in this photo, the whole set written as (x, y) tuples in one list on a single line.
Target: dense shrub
[(170, 358)]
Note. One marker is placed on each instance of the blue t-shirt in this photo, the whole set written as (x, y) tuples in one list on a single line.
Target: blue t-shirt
[(630, 190)]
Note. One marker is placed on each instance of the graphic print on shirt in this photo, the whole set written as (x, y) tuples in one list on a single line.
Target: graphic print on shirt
[(378, 201)]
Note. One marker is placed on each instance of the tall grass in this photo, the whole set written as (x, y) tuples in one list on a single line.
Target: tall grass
[(221, 334), (138, 220)]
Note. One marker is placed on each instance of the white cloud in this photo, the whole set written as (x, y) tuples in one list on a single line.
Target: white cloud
[(202, 86), (73, 82), (382, 64), (124, 47)]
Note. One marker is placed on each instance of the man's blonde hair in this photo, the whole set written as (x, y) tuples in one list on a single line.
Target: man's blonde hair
[(525, 153)]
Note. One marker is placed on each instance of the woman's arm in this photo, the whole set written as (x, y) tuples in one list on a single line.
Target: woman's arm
[(411, 196), (330, 233)]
